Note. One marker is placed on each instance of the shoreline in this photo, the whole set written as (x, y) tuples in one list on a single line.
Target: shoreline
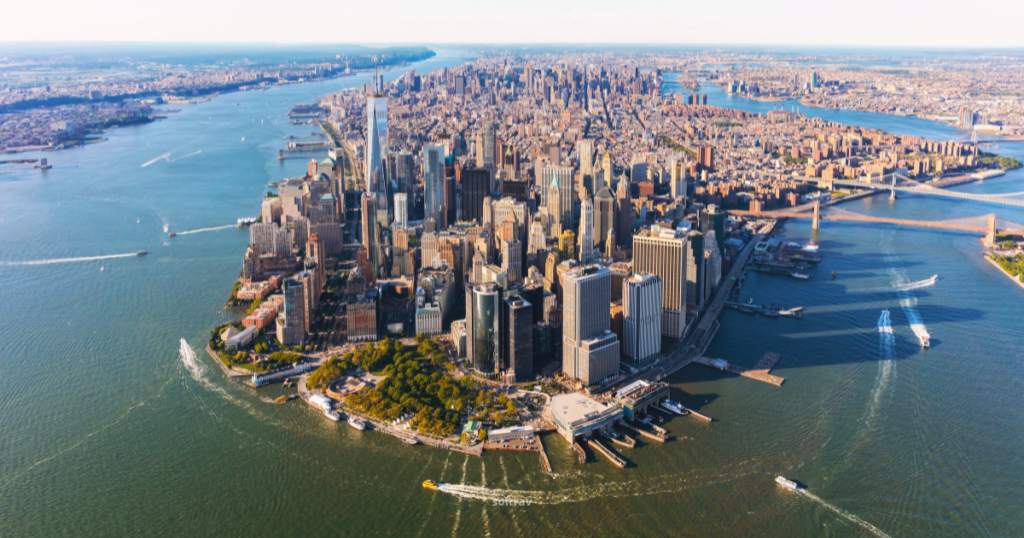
[(1004, 271)]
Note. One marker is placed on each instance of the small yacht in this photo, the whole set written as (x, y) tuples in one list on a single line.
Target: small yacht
[(786, 483), (356, 423), (333, 415)]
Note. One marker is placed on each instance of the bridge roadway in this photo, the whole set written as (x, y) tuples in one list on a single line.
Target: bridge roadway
[(921, 223), (918, 189)]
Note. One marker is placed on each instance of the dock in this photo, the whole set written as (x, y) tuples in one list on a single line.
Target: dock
[(645, 433), (579, 452), (759, 372), (612, 457), (623, 440), (698, 415), (544, 459), (795, 312)]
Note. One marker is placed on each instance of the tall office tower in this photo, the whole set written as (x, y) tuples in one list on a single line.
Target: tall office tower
[(586, 235), (712, 265), (712, 219), (517, 338), (606, 164), (315, 254), (814, 79), (662, 252), (695, 270), (604, 216), (641, 318), (401, 210), (475, 182), (449, 212), (623, 214), (482, 319), (376, 139), (638, 170), (429, 253), (291, 322), (677, 186), (512, 259), (433, 182), (368, 210), (561, 179), (609, 244), (405, 171), (590, 351), (567, 245), (538, 239), (586, 156), (528, 72), (489, 159)]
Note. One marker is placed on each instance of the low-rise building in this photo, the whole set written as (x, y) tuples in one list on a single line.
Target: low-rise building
[(638, 396), (576, 415)]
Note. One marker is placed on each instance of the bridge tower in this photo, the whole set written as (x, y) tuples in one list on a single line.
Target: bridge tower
[(817, 215), (892, 193), (990, 237)]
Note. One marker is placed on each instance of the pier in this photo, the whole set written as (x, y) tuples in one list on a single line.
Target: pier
[(645, 433), (579, 452), (759, 372), (623, 440), (612, 457), (544, 458), (795, 312)]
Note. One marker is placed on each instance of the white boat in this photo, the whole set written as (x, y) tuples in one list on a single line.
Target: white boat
[(786, 483), (356, 423), (922, 334), (410, 440), (333, 415), (675, 407), (801, 276)]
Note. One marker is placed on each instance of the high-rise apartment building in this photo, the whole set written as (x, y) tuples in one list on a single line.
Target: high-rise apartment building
[(590, 351), (662, 252), (291, 322), (641, 318)]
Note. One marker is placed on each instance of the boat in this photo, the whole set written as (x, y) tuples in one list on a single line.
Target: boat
[(430, 484), (140, 253), (786, 483), (833, 274), (243, 139), (675, 407), (102, 269), (356, 423), (410, 440), (801, 276), (333, 415), (172, 234), (750, 301)]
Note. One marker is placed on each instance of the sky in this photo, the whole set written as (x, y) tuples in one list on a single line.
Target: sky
[(876, 23)]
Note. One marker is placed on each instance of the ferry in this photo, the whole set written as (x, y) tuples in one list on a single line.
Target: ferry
[(786, 483), (430, 484), (675, 407), (333, 415), (140, 253), (356, 423), (410, 440)]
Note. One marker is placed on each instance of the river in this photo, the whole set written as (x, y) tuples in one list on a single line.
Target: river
[(106, 431)]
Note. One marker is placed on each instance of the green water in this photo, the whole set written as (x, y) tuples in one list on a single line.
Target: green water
[(105, 431)]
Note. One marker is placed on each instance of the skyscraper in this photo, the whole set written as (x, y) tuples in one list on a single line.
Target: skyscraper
[(623, 214), (713, 220), (401, 210), (586, 156), (590, 351), (475, 182), (433, 182), (641, 318), (517, 337), (607, 165), (638, 171), (662, 252), (376, 138), (695, 269), (368, 210), (560, 179), (482, 318), (604, 216), (291, 322), (586, 235)]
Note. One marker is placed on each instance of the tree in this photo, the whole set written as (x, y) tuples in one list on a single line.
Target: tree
[(482, 435)]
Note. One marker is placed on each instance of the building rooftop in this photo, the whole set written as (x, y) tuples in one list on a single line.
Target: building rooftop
[(576, 409)]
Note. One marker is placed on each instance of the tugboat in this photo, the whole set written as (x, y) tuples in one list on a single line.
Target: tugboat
[(430, 484), (786, 483)]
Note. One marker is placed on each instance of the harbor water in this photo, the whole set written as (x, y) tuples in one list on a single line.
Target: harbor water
[(107, 430)]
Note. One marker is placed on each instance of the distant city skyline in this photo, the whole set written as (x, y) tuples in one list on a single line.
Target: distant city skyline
[(789, 22)]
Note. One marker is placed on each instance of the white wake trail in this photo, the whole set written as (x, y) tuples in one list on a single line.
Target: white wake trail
[(183, 156), (213, 229), (901, 284), (843, 513), (71, 260), (165, 156)]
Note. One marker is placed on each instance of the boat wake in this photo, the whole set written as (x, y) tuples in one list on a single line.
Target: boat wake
[(919, 284), (167, 157), (844, 514), (886, 349), (905, 291), (213, 229), (70, 260), (192, 364)]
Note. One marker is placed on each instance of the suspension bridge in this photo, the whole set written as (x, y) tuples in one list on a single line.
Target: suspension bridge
[(898, 183)]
